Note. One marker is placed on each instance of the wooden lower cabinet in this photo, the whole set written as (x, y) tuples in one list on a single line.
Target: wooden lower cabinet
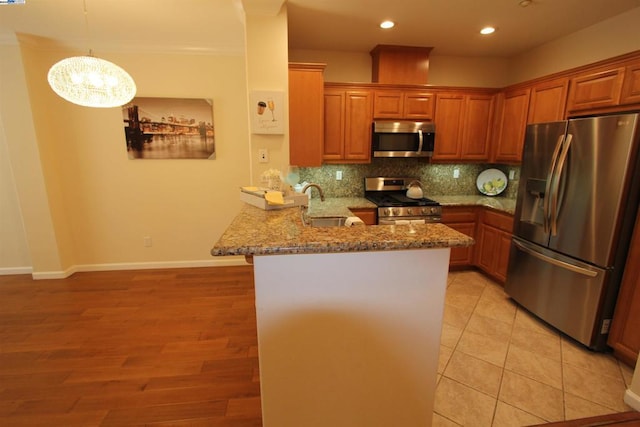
[(368, 215), (462, 219), (494, 243), (624, 337)]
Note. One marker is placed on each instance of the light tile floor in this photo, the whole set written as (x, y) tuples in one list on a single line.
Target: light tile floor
[(500, 366)]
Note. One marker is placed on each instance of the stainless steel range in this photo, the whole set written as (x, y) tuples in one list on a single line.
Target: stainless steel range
[(394, 207)]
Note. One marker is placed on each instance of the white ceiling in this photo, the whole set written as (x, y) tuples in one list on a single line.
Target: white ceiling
[(450, 26)]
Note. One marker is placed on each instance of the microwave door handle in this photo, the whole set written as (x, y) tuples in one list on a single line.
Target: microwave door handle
[(550, 177), (420, 141)]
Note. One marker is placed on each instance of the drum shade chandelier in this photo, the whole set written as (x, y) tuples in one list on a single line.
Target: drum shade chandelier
[(91, 82)]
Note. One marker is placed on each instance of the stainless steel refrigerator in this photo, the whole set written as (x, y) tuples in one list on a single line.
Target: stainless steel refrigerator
[(577, 201)]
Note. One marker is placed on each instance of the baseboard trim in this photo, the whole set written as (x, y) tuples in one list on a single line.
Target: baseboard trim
[(15, 270), (632, 399), (217, 262)]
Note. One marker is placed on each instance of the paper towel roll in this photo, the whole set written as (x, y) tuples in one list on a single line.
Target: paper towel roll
[(353, 220)]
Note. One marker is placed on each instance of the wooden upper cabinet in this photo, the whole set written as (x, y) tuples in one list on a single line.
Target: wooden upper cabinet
[(548, 101), (333, 124), (511, 125), (347, 125), (448, 122), (403, 104), (358, 119), (400, 64), (306, 114), (476, 128), (595, 90), (418, 105), (463, 123), (631, 85), (388, 104)]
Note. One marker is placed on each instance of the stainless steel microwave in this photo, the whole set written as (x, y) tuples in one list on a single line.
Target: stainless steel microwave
[(402, 139)]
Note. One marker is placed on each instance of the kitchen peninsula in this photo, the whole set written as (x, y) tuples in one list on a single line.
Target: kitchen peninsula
[(348, 318)]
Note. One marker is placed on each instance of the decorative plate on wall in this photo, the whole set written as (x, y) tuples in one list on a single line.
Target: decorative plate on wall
[(491, 182)]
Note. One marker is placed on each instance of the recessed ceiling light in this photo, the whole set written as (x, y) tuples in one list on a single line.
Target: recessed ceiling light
[(387, 24), (487, 30)]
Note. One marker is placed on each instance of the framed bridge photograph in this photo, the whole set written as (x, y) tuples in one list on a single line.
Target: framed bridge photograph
[(169, 128)]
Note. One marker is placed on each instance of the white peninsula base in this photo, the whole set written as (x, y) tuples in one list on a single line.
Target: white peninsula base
[(350, 339)]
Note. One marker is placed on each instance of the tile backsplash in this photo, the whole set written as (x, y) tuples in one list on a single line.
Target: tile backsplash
[(437, 179)]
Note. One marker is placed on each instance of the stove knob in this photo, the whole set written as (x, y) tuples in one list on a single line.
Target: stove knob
[(409, 211), (385, 212), (395, 211), (425, 211)]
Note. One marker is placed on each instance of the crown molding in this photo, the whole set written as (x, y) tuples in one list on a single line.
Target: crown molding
[(230, 49)]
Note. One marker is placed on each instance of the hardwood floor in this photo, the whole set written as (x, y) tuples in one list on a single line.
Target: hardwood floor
[(171, 347)]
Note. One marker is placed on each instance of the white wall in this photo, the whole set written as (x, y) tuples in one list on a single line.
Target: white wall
[(615, 36), (14, 250), (612, 37), (83, 203), (23, 162), (267, 70), (102, 204), (355, 67)]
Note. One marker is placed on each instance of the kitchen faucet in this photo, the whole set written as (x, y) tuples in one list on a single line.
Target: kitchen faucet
[(318, 187)]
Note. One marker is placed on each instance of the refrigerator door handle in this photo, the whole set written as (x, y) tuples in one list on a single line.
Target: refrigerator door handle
[(576, 269), (547, 191), (553, 214)]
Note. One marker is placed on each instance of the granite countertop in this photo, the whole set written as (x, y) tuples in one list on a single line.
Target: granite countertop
[(260, 232), (501, 204)]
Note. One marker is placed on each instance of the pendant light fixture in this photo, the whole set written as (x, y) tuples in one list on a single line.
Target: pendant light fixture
[(91, 82)]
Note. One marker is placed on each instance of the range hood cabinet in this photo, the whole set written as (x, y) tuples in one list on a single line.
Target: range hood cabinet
[(400, 64)]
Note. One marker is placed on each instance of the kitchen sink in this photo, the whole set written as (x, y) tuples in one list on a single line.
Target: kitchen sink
[(321, 221), (333, 221)]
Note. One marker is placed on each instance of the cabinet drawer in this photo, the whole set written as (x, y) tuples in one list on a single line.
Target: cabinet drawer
[(457, 214), (498, 220)]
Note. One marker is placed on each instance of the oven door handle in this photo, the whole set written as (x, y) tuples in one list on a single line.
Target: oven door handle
[(394, 221)]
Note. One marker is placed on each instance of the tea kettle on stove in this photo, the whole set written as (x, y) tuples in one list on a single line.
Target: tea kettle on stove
[(414, 190)]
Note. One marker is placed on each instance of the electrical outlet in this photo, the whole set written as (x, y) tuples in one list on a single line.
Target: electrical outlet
[(512, 174), (338, 175), (148, 242), (456, 173), (263, 155)]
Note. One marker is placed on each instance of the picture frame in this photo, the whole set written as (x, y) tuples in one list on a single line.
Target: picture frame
[(169, 128), (267, 112)]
